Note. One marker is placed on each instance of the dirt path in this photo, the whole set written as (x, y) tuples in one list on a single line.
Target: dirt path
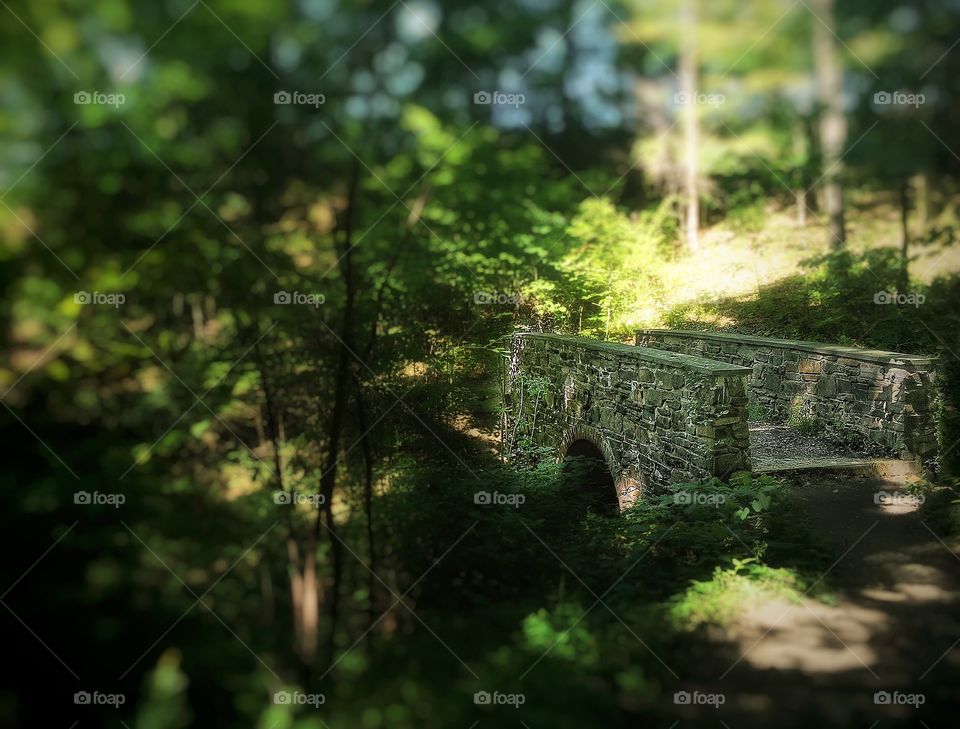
[(895, 627)]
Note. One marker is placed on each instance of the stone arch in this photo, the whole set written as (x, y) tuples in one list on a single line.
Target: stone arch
[(626, 483)]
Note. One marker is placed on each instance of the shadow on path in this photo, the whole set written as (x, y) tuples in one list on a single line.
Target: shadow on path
[(894, 628)]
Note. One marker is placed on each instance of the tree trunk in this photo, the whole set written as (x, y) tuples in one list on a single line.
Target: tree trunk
[(368, 498), (304, 585), (801, 151), (328, 479), (922, 201), (904, 280), (688, 88), (833, 122)]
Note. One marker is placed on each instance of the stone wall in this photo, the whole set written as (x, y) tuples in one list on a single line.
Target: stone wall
[(871, 397), (658, 417)]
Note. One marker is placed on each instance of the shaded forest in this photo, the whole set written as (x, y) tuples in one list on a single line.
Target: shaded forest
[(259, 262)]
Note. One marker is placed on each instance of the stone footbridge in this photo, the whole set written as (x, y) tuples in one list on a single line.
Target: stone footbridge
[(674, 408)]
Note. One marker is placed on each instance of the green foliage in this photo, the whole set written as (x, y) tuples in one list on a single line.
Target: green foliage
[(429, 226), (730, 592), (941, 507), (757, 413), (801, 418), (164, 705)]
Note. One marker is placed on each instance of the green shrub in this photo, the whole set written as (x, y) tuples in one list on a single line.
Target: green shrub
[(801, 418)]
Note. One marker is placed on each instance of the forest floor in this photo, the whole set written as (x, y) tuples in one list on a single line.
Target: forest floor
[(888, 620), (891, 626)]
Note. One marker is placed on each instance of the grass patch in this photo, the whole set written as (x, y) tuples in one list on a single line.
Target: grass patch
[(731, 591), (759, 414)]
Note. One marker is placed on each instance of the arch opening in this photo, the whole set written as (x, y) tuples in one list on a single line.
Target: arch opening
[(587, 475)]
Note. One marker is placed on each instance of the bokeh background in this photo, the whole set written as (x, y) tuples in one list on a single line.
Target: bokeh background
[(253, 246)]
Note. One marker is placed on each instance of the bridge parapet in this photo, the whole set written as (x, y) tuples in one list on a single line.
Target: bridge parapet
[(658, 417), (877, 397)]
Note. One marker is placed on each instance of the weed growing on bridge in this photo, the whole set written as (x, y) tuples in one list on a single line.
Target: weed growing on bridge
[(759, 414), (802, 419)]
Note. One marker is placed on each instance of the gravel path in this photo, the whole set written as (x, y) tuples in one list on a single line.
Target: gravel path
[(894, 626), (777, 447)]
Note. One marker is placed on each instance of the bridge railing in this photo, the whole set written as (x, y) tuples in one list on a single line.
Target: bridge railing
[(886, 399), (659, 417)]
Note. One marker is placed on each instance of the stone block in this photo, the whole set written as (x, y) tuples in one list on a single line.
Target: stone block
[(827, 386), (644, 375)]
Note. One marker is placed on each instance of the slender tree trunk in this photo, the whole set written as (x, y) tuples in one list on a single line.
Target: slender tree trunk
[(517, 415), (533, 425), (904, 278), (368, 498), (688, 87), (833, 121), (809, 176), (328, 479), (304, 585), (196, 312), (922, 200), (606, 327), (800, 151)]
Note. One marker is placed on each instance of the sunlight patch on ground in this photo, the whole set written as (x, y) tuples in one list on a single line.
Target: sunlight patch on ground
[(730, 592), (737, 263)]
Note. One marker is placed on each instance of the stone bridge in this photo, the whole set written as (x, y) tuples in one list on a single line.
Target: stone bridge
[(675, 408), (884, 401), (656, 417)]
